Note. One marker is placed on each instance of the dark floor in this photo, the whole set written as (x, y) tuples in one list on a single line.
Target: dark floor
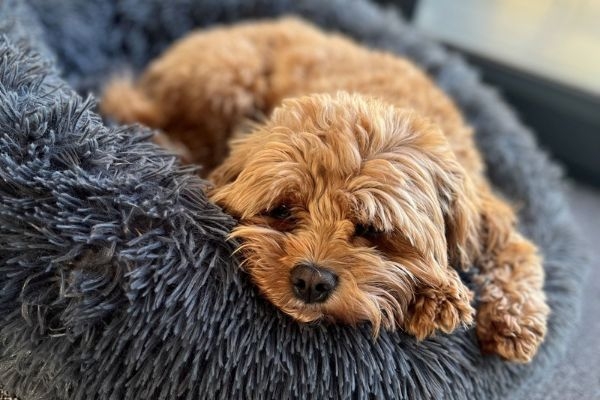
[(578, 376)]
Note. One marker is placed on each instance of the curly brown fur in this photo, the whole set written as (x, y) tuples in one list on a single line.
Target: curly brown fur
[(375, 179)]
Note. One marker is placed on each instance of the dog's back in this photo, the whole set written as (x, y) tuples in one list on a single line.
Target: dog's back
[(206, 84)]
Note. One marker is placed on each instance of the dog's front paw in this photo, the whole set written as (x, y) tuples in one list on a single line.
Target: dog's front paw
[(513, 328), (439, 310)]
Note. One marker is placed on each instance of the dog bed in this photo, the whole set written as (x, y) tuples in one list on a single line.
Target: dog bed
[(116, 281)]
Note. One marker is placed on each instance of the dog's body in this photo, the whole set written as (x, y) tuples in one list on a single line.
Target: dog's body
[(352, 206)]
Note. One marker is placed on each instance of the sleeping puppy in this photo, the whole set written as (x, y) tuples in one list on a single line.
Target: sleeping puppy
[(361, 194)]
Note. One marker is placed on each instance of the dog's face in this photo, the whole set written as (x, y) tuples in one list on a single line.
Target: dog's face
[(346, 208)]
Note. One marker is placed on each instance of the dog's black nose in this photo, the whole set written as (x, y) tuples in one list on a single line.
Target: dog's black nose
[(311, 283)]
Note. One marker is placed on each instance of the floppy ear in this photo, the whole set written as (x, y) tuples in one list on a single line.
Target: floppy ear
[(224, 175), (241, 184), (245, 142), (228, 171), (461, 211), (425, 155), (242, 146)]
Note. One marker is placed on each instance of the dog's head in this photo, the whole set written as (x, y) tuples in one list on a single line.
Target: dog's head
[(346, 207)]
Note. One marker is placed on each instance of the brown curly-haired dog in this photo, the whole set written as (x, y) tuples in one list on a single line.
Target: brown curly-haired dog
[(353, 206)]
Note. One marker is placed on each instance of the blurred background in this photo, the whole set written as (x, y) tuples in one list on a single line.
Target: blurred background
[(544, 58), (544, 55)]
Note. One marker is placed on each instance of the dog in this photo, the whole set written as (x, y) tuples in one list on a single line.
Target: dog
[(359, 190)]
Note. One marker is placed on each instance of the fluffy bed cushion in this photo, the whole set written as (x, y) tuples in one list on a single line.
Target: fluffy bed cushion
[(116, 281)]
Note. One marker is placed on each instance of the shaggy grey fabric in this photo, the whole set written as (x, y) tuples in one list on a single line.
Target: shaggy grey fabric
[(116, 281)]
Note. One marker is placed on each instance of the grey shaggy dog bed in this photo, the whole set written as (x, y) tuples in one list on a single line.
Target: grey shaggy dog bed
[(116, 281)]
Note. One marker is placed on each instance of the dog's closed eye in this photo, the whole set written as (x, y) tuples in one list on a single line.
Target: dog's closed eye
[(281, 212), (280, 217)]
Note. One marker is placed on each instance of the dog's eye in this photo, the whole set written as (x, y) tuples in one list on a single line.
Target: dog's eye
[(280, 212), (366, 231)]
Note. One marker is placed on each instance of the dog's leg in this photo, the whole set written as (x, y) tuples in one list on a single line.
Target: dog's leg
[(512, 314)]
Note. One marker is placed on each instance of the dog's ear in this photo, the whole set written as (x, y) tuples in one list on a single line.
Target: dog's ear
[(456, 192), (245, 141), (241, 183), (426, 158), (227, 172), (461, 211), (241, 149), (222, 191)]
